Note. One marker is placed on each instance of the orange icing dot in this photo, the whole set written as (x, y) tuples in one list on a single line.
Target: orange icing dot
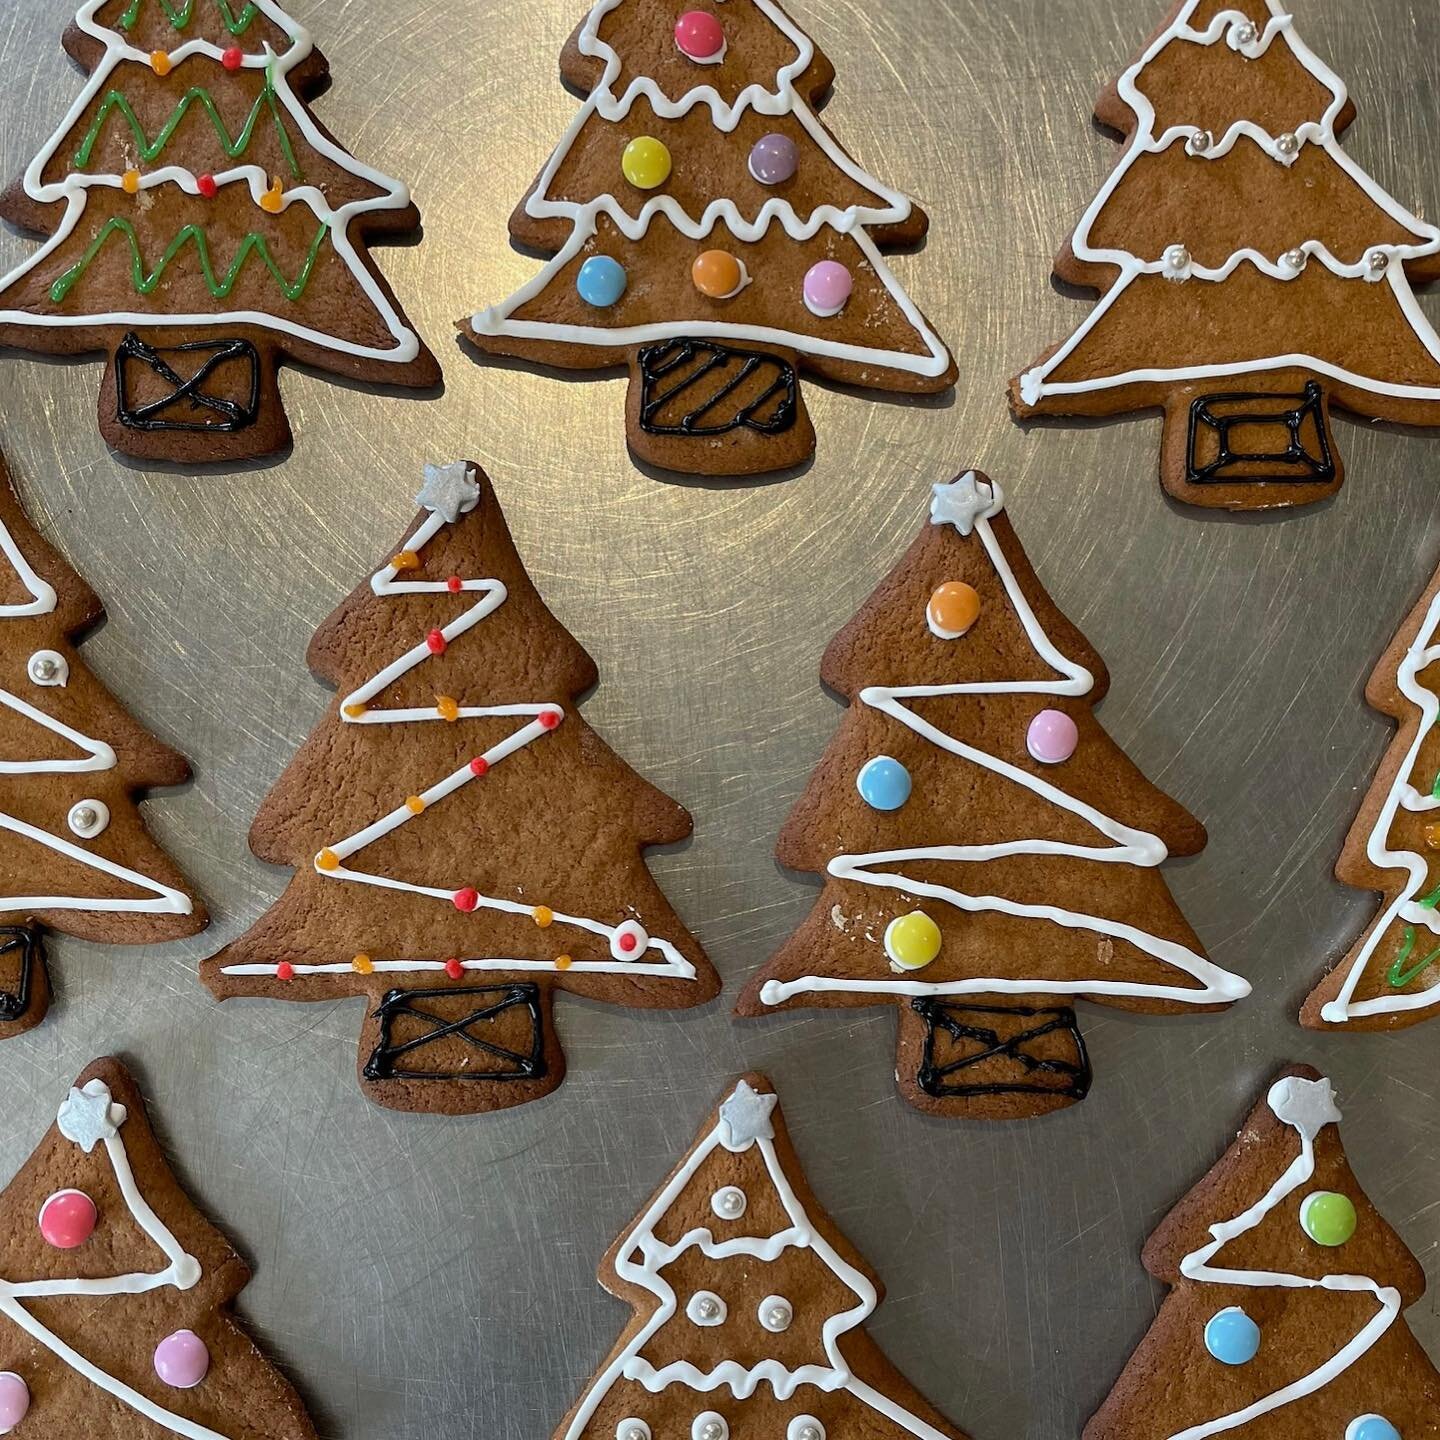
[(544, 916), (356, 711), (406, 560), (414, 804), (362, 965), (954, 607), (563, 962), (328, 860), (447, 708), (273, 201), (159, 62), (130, 182)]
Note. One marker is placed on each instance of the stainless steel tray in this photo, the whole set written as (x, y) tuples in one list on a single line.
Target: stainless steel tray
[(435, 1278)]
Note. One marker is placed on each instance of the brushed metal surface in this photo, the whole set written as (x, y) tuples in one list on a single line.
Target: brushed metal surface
[(431, 1279)]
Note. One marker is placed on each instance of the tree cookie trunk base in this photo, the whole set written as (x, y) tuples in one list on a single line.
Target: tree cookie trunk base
[(461, 1049), (215, 399), (969, 1057), (700, 407)]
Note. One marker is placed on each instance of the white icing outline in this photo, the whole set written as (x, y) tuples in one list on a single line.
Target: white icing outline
[(783, 100), (181, 1273), (1035, 384), (1423, 652), (1196, 1266), (493, 595), (96, 756), (1129, 847), (641, 1257), (74, 188)]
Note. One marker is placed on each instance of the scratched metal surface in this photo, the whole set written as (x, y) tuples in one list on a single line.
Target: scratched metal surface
[(434, 1278)]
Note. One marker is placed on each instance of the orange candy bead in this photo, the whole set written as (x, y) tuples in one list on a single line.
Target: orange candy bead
[(273, 200), (328, 860), (718, 274), (953, 609), (448, 708), (160, 62), (130, 182), (363, 965)]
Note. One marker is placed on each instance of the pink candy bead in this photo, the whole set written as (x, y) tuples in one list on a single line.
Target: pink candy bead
[(827, 288), (14, 1400), (67, 1219), (182, 1360), (699, 35), (1052, 737)]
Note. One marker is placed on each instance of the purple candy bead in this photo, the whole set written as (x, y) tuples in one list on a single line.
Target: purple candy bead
[(14, 1401), (182, 1360), (827, 287), (774, 160), (1052, 737)]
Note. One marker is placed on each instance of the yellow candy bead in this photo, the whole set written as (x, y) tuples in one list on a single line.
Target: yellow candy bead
[(646, 162), (363, 965), (953, 609), (912, 941), (130, 182), (415, 805), (544, 916), (328, 860), (159, 62), (563, 962), (447, 708)]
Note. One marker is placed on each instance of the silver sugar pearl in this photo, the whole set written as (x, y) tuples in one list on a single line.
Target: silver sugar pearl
[(1288, 144), (83, 817), (1245, 34), (707, 1309), (1378, 261), (1200, 143), (44, 669), (778, 1317), (809, 1432), (731, 1202), (1177, 258), (711, 1430), (1295, 259), (634, 1432)]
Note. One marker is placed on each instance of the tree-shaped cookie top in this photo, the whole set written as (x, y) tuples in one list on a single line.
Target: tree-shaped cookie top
[(250, 26)]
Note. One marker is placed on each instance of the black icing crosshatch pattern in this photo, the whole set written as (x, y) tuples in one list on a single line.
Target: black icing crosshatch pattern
[(418, 1277)]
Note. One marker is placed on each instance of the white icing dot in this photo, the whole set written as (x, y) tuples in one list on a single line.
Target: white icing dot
[(632, 1429), (805, 1427), (708, 1425), (729, 1202), (776, 1313), (706, 1308), (88, 818)]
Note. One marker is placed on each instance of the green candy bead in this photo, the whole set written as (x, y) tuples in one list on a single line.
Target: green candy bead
[(1329, 1219)]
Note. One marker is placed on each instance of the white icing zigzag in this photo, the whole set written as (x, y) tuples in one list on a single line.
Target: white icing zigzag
[(1403, 795), (1307, 1106), (1128, 846), (1228, 26), (783, 100), (642, 1256), (492, 595), (74, 190), (182, 1271)]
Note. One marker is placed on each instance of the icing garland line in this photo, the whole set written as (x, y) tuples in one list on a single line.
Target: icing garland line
[(782, 101), (1128, 847), (1291, 1099), (182, 1272), (354, 711), (74, 191), (1406, 907), (642, 1257), (181, 17), (1035, 384)]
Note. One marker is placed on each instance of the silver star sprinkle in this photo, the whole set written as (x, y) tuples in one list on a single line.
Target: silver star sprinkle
[(964, 501), (745, 1117), (1308, 1105), (89, 1116), (449, 490)]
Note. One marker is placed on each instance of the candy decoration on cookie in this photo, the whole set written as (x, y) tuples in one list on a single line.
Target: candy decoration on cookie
[(1250, 273), (1000, 883), (733, 1221), (712, 147), (154, 1272), (1334, 1358), (75, 856), (201, 227), (465, 844), (1390, 977)]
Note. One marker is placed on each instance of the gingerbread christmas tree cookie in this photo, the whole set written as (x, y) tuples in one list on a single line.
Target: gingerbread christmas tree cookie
[(115, 1293), (201, 226), (988, 852), (465, 844), (710, 234), (1285, 1313), (75, 855), (1251, 274), (749, 1306)]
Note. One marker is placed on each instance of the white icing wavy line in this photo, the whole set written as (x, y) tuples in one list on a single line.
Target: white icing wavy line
[(1130, 847), (784, 101), (98, 756), (494, 594), (1035, 383), (642, 1256), (181, 1273), (1403, 795), (74, 188), (1196, 1266)]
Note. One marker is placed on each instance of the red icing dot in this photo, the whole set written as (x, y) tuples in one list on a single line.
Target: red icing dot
[(233, 58), (550, 718), (206, 186), (479, 765), (454, 969), (284, 971), (436, 642), (466, 899), (455, 584), (628, 942)]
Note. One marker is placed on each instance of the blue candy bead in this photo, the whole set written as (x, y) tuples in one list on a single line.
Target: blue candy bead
[(1371, 1427), (601, 281), (1233, 1338), (884, 784)]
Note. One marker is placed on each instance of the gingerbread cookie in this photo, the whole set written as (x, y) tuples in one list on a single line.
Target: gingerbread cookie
[(201, 227), (75, 855), (1251, 274), (989, 852), (710, 234), (1390, 977), (1284, 1318), (466, 845), (749, 1306), (115, 1293)]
